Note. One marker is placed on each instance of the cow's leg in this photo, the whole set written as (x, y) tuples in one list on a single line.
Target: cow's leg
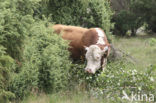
[(104, 64)]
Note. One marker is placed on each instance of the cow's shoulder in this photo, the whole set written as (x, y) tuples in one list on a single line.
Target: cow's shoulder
[(90, 37)]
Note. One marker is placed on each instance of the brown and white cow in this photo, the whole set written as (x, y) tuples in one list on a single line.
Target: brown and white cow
[(89, 43)]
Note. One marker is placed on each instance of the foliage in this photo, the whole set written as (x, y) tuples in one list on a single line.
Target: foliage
[(28, 7), (145, 10), (45, 62), (14, 26), (138, 13), (120, 76), (152, 42), (89, 13), (42, 57), (124, 21), (6, 64)]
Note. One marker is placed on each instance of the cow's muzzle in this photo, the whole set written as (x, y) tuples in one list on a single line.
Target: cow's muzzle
[(89, 70)]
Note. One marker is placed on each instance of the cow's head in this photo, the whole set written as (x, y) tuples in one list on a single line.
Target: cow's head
[(93, 56)]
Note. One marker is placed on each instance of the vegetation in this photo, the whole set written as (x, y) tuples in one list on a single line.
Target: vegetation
[(126, 20), (146, 11), (6, 66), (118, 77), (86, 13), (45, 63), (34, 61), (134, 16)]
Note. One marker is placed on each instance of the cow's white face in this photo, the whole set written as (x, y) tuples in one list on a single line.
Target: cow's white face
[(93, 56)]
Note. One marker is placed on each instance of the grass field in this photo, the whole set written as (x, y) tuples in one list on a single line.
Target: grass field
[(81, 97), (141, 48)]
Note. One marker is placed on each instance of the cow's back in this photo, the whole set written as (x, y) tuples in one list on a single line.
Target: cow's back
[(69, 32), (74, 35)]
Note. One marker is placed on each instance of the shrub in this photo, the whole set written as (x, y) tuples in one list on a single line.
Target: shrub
[(122, 77), (45, 62), (152, 42), (102, 14), (28, 7), (89, 13), (146, 10), (138, 13), (126, 20), (13, 27), (42, 57), (6, 64), (118, 77)]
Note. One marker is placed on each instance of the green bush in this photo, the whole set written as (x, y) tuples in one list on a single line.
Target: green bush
[(45, 63), (89, 13), (28, 7), (121, 76), (13, 27), (6, 64), (138, 13), (126, 20), (152, 42), (118, 77), (146, 10), (42, 57)]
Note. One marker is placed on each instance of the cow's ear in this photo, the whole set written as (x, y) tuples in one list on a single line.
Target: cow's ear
[(105, 49), (86, 48)]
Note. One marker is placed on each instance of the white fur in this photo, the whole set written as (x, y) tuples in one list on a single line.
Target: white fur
[(93, 56), (101, 36), (106, 48)]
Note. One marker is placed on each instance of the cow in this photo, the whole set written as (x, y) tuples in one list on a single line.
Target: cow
[(91, 44)]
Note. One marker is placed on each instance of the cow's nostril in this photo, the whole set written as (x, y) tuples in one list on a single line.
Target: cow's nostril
[(89, 70)]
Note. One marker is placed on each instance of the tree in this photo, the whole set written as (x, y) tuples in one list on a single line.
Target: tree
[(85, 13), (135, 15), (146, 10)]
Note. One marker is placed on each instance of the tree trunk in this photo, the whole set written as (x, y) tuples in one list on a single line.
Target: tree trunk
[(133, 32)]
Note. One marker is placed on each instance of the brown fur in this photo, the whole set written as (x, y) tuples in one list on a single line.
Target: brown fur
[(79, 38)]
